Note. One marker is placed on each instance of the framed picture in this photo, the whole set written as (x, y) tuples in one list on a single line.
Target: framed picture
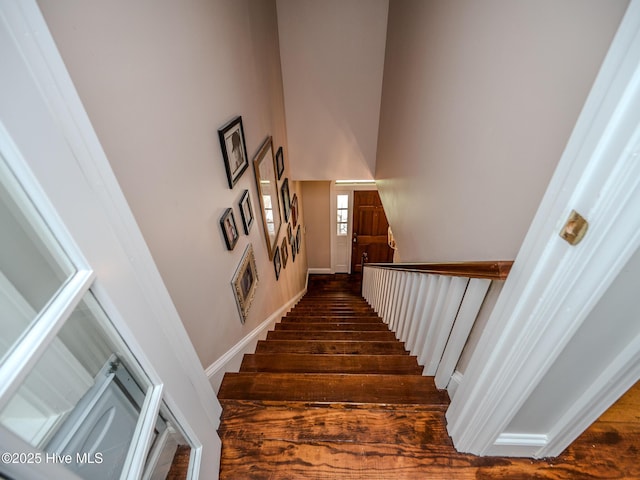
[(229, 229), (298, 239), (284, 251), (246, 211), (293, 250), (286, 201), (279, 163), (234, 150), (277, 264), (294, 210), (265, 169), (290, 234), (245, 281)]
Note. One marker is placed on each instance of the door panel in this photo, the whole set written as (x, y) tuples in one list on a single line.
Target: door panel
[(370, 227)]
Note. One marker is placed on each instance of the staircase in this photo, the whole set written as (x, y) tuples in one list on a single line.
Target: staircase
[(330, 394)]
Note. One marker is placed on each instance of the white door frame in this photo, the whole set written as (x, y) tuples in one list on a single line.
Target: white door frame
[(43, 115), (553, 286)]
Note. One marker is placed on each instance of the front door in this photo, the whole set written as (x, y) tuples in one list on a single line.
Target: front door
[(370, 226)]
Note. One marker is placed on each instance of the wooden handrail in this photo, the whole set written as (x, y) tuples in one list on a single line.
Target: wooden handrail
[(494, 270)]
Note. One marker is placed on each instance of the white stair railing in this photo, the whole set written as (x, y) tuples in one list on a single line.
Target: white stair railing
[(431, 307)]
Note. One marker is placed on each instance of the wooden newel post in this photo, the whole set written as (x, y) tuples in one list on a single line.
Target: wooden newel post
[(365, 257)]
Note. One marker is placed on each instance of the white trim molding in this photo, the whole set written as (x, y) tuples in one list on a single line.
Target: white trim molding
[(230, 361), (319, 271), (553, 286)]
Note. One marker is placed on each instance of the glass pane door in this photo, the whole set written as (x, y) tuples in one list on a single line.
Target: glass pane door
[(71, 393), (33, 266)]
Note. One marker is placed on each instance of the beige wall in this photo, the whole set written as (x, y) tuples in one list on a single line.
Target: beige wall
[(479, 99), (332, 64), (158, 78), (316, 205)]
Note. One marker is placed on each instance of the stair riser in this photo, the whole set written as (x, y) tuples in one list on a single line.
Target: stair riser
[(363, 364), (332, 388)]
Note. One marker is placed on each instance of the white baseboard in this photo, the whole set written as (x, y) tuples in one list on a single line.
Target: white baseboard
[(231, 360), (319, 271), (454, 383), (518, 445)]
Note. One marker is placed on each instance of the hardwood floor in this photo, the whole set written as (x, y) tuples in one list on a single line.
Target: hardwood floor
[(329, 395)]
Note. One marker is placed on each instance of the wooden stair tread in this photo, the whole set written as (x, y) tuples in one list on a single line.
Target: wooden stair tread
[(333, 388), (354, 336), (336, 347), (310, 363), (335, 422), (333, 312), (329, 318), (281, 459), (343, 326)]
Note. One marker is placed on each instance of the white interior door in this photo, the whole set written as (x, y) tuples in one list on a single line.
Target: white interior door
[(78, 286), (341, 231)]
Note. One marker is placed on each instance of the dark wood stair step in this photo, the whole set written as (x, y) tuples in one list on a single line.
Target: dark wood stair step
[(330, 318), (336, 347), (353, 336), (332, 306), (326, 306), (333, 422), (325, 326), (314, 460), (333, 388), (331, 313), (310, 363)]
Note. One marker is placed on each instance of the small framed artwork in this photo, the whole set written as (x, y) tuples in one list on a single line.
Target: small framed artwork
[(284, 251), (286, 201), (245, 281), (293, 250), (277, 264), (234, 150), (290, 234), (294, 210), (229, 229), (298, 239), (246, 211), (279, 163)]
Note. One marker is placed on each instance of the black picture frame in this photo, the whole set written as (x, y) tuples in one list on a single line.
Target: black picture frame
[(246, 212), (279, 163), (298, 239), (229, 229), (294, 210), (277, 263), (284, 251), (286, 200), (293, 250), (234, 150), (290, 234)]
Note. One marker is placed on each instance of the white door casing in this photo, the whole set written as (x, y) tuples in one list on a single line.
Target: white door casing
[(554, 286), (69, 177)]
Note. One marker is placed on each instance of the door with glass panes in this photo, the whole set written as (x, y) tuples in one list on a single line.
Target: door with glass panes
[(73, 398), (98, 379)]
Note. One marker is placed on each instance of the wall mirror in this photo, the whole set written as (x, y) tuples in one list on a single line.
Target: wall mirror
[(265, 168)]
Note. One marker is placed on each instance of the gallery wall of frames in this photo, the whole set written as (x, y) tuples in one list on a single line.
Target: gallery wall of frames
[(274, 208)]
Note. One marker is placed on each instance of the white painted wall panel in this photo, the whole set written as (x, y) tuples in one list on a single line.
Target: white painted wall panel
[(332, 62)]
